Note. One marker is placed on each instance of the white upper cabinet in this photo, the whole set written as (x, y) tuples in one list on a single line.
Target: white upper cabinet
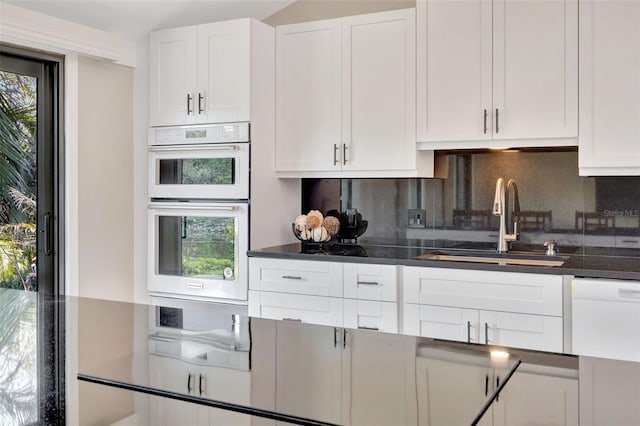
[(345, 98), (308, 100), (378, 91), (609, 88), (172, 77), (201, 74), (499, 73), (454, 71)]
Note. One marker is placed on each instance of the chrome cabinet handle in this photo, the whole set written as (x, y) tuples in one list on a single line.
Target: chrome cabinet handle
[(291, 277), (362, 327), (485, 121), (335, 337), (498, 387), (344, 338), (486, 384), (367, 283), (486, 333), (335, 154), (200, 98), (497, 118), (189, 99), (200, 384), (292, 319), (344, 153), (468, 331), (189, 383)]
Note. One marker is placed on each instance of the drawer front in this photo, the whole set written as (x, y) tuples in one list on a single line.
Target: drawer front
[(498, 291), (370, 282), (296, 276), (371, 315), (296, 307)]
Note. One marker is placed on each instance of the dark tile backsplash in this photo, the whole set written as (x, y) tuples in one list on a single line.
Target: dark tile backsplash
[(555, 203)]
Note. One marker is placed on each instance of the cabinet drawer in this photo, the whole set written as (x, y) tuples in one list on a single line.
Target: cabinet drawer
[(295, 307), (498, 291), (296, 276), (370, 282), (367, 314)]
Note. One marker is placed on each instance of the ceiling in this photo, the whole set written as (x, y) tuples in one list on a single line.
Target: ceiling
[(134, 19)]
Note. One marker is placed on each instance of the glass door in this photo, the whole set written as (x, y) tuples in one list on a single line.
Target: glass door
[(30, 359)]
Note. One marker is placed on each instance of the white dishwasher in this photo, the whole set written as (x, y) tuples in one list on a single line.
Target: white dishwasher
[(606, 318)]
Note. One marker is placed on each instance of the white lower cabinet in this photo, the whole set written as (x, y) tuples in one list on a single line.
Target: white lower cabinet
[(353, 295), (499, 308), (451, 390), (339, 376), (540, 399), (606, 319), (224, 384)]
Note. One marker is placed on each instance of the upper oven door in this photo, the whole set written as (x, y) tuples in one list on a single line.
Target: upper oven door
[(217, 171), (199, 162)]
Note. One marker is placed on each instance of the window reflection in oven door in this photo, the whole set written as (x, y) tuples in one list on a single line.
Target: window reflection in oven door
[(199, 171), (199, 249)]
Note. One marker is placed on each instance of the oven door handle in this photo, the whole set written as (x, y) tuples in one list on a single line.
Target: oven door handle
[(185, 206), (195, 147)]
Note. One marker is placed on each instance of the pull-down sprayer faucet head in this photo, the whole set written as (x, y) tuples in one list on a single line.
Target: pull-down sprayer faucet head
[(498, 201)]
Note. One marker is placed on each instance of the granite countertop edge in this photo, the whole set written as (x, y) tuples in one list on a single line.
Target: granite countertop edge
[(582, 266)]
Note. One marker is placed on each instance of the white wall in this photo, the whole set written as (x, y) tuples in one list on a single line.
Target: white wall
[(139, 183), (104, 179)]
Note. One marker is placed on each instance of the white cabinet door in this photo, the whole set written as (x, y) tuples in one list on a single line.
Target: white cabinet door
[(308, 100), (308, 371), (535, 69), (378, 91), (451, 393), (454, 70), (538, 332), (441, 322), (537, 399), (223, 64), (228, 385), (176, 376), (374, 394), (609, 142), (172, 77)]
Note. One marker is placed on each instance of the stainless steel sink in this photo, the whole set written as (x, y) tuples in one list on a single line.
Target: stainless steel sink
[(524, 259)]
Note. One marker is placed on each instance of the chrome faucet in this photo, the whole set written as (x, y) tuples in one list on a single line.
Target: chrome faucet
[(501, 208)]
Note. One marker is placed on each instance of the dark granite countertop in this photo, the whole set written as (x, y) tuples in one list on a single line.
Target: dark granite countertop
[(588, 262)]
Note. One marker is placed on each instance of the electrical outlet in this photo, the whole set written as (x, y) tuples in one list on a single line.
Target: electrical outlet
[(416, 219)]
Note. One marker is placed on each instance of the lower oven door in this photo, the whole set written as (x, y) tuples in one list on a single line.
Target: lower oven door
[(198, 250)]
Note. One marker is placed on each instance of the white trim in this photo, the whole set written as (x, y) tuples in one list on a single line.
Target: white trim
[(39, 31), (71, 257)]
